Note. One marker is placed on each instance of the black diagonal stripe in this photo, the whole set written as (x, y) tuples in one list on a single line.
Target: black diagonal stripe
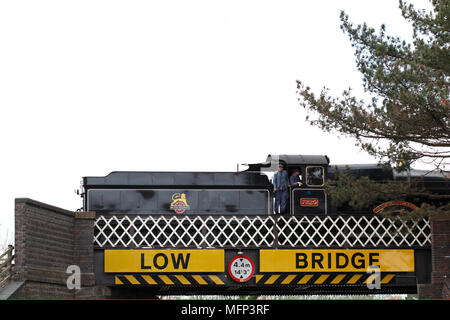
[(364, 278), (327, 280), (360, 280), (293, 280), (264, 278), (207, 279), (194, 282), (381, 276), (268, 276), (279, 280), (343, 281), (178, 282), (141, 280), (155, 277), (313, 279), (159, 280), (124, 280), (191, 280)]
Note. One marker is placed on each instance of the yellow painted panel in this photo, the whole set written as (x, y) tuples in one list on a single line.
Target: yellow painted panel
[(258, 277), (354, 279), (149, 279), (215, 279), (322, 279), (182, 279), (387, 278), (199, 279), (155, 261), (272, 279), (372, 278), (342, 260), (132, 279), (288, 279), (305, 279), (166, 279), (338, 279)]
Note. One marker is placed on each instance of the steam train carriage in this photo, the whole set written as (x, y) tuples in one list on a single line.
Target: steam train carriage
[(248, 192)]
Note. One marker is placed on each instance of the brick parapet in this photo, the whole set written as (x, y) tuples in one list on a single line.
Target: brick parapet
[(44, 241), (48, 239)]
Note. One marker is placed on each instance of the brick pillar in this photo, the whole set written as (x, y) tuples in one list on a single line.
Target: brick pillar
[(440, 255), (84, 253), (19, 271), (84, 246)]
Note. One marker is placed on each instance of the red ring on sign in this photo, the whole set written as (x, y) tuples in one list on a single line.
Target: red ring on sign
[(237, 279)]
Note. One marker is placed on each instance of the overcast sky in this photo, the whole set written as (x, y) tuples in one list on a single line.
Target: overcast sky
[(90, 87)]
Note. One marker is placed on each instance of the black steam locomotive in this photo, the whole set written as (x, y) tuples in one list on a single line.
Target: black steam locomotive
[(248, 192)]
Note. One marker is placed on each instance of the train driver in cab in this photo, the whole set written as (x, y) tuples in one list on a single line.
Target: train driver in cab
[(280, 187), (294, 180)]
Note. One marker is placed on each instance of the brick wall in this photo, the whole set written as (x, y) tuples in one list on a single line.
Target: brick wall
[(440, 255), (44, 241), (48, 240), (83, 251)]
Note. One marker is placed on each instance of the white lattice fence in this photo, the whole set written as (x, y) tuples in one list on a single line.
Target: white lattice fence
[(256, 232), (352, 231)]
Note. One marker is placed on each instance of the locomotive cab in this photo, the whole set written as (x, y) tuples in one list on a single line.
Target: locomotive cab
[(310, 198)]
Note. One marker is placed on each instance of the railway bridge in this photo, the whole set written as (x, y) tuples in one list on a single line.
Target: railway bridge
[(65, 254)]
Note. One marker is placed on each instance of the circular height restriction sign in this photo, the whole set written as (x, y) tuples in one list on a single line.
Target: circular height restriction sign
[(241, 268)]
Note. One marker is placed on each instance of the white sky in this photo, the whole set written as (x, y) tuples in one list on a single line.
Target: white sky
[(90, 87)]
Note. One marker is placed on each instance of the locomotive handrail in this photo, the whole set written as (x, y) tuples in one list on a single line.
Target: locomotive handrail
[(162, 231)]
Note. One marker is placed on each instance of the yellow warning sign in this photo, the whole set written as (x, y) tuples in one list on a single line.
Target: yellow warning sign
[(154, 261), (351, 260)]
